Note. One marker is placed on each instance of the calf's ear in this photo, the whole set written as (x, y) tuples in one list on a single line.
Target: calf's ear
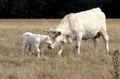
[(46, 31), (46, 38)]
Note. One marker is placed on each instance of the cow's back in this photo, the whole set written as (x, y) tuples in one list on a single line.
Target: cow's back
[(88, 22)]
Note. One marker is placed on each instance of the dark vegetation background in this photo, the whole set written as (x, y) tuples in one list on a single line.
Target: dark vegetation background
[(55, 8)]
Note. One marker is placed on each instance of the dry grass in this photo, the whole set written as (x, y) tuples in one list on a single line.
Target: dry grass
[(88, 65)]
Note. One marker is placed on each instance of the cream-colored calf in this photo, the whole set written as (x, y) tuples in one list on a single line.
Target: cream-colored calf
[(36, 40)]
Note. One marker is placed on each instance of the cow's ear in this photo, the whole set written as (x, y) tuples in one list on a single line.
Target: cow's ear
[(58, 33), (46, 31)]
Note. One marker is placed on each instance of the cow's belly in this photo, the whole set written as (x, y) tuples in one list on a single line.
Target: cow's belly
[(89, 35)]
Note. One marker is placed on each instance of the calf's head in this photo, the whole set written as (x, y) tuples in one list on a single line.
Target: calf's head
[(47, 40)]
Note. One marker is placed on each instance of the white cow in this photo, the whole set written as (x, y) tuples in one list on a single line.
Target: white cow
[(78, 26), (36, 40)]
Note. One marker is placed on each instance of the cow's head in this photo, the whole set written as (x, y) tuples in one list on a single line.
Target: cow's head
[(53, 33), (56, 37)]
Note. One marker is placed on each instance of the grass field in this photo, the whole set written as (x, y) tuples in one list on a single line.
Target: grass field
[(87, 65)]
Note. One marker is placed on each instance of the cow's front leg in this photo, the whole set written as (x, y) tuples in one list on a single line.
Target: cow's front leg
[(78, 43), (62, 43)]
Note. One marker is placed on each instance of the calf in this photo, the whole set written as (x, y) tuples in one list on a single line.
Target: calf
[(36, 40)]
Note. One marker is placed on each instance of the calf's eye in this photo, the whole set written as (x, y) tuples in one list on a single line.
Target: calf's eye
[(53, 37)]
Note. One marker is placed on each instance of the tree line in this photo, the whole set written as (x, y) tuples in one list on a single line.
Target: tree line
[(54, 8)]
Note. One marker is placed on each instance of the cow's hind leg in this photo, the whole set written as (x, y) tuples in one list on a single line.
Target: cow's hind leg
[(106, 40), (95, 40)]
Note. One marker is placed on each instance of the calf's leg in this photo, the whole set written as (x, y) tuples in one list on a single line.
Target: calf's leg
[(24, 47), (37, 49)]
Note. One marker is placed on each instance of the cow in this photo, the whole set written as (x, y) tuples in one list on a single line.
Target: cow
[(89, 24), (36, 40)]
